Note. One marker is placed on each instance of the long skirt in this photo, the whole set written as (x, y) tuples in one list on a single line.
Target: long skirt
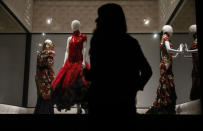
[(44, 106)]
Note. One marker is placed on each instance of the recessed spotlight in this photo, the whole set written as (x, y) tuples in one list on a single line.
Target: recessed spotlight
[(146, 21), (49, 21)]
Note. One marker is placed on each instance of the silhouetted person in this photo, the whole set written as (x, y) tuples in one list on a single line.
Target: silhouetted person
[(118, 66)]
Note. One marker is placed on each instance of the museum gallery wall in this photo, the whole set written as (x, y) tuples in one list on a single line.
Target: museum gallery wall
[(35, 13)]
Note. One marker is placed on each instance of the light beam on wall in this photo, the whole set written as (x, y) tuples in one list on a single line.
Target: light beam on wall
[(155, 35), (40, 44)]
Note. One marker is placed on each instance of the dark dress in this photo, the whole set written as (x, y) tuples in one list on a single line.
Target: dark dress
[(165, 100), (69, 85), (43, 78), (195, 91)]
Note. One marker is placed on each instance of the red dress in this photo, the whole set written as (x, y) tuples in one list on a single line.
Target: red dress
[(165, 100), (70, 85)]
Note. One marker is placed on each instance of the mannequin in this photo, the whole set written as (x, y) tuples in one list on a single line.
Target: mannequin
[(44, 77), (195, 90), (69, 85), (75, 26), (165, 100)]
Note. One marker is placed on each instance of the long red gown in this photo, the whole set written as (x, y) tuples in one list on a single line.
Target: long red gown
[(69, 85)]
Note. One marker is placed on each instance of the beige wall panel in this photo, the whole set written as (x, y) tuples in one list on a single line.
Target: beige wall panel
[(23, 9), (8, 24), (63, 12), (185, 17), (166, 8)]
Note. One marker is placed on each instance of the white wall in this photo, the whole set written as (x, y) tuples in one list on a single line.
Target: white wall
[(23, 9), (12, 55)]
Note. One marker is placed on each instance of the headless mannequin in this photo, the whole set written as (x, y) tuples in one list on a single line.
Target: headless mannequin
[(169, 30), (75, 25)]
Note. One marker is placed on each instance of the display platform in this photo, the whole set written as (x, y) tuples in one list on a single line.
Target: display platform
[(9, 109), (188, 108)]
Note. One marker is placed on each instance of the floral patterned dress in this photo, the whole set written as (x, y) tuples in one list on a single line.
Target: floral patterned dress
[(165, 100), (43, 79), (195, 91)]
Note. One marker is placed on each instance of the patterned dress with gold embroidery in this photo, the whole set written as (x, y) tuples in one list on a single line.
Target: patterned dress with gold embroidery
[(165, 100), (195, 91), (43, 79)]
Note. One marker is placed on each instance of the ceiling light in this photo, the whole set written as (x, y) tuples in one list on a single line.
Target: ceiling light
[(146, 21), (49, 21)]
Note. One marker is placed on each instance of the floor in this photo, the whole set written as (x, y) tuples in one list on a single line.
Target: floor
[(188, 108)]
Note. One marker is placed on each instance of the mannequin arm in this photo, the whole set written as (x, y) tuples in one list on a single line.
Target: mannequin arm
[(169, 49), (84, 53), (66, 53), (190, 51), (187, 56), (176, 55), (193, 51)]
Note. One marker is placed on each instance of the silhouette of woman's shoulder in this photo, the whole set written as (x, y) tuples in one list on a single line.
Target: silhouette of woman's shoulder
[(132, 42)]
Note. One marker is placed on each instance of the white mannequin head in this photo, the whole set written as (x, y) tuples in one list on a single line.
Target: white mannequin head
[(48, 44), (193, 29), (168, 29), (75, 25), (48, 41)]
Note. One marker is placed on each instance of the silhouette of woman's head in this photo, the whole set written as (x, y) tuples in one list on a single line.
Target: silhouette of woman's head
[(111, 18)]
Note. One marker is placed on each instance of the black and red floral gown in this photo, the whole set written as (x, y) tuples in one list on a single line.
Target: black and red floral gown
[(69, 85), (195, 91), (43, 79), (165, 100)]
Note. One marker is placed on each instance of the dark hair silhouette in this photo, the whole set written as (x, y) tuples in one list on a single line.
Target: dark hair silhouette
[(111, 18), (118, 66)]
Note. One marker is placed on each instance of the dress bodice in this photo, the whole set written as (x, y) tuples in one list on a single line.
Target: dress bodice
[(76, 46), (194, 46), (195, 59), (45, 73), (165, 56)]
